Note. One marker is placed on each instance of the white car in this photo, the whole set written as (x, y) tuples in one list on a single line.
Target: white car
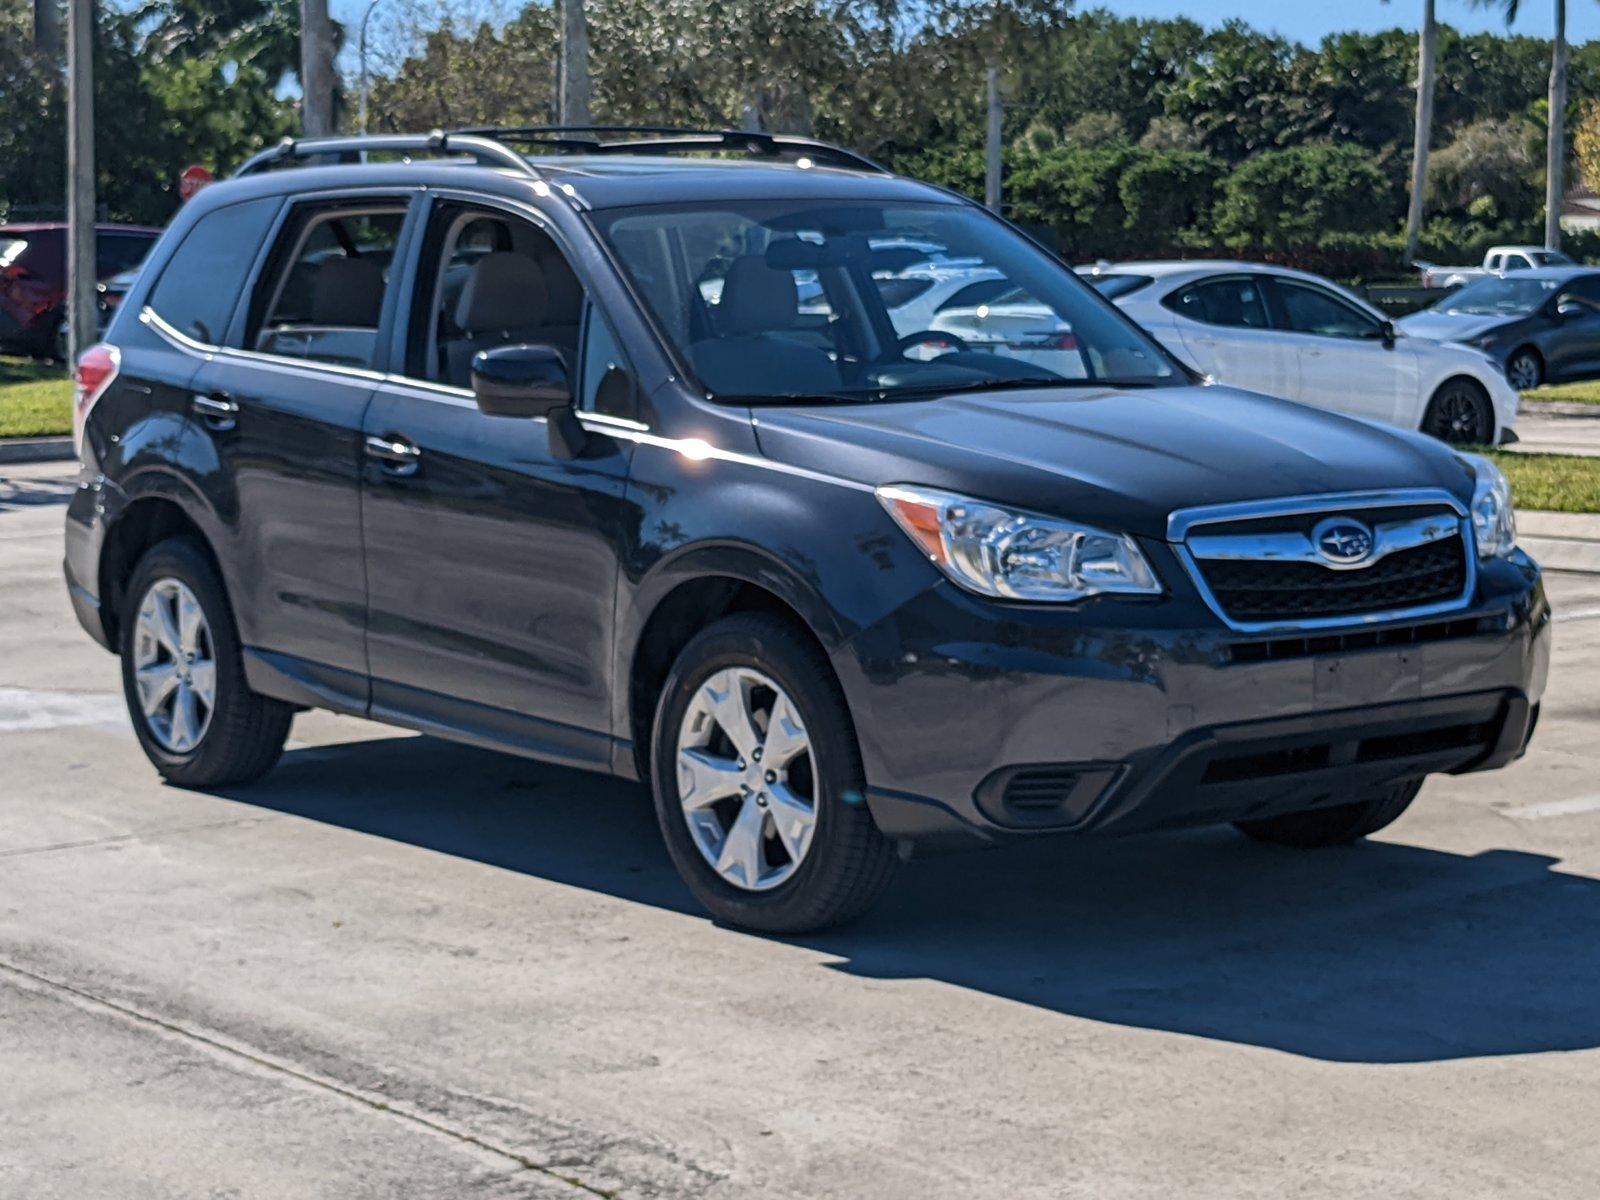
[(1298, 336), (1016, 325)]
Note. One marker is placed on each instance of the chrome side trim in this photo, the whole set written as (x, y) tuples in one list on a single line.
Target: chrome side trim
[(1182, 520), (1387, 538), (1179, 524)]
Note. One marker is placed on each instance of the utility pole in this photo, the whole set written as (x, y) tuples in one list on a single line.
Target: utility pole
[(574, 88), (80, 178), (1426, 58), (1556, 146), (47, 27), (361, 110), (991, 173), (316, 69)]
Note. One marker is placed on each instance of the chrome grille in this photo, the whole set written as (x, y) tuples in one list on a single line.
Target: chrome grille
[(1269, 566)]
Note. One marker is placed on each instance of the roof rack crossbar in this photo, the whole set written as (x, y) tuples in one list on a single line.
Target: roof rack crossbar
[(486, 151), (666, 139)]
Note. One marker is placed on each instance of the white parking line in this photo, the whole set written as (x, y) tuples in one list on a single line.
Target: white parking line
[(1554, 808), (1578, 614), (23, 710)]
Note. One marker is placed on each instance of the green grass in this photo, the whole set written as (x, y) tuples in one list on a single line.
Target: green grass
[(35, 399), (1551, 482), (1587, 392)]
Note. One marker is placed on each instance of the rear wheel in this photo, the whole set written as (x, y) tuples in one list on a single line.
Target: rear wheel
[(1336, 826), (196, 718), (758, 782), (1459, 413), (1524, 369)]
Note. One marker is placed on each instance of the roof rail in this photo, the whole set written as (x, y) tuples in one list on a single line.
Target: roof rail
[(487, 152), (659, 139)]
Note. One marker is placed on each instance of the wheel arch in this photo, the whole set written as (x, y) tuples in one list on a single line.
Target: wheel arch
[(1477, 385), (143, 522), (683, 597)]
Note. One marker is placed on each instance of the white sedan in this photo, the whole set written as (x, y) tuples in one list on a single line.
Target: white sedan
[(1298, 336)]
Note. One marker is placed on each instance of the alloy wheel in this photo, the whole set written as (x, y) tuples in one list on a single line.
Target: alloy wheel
[(1523, 372), (1458, 417), (746, 780), (174, 666)]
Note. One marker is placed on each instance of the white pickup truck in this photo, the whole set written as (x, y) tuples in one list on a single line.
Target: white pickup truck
[(1497, 261)]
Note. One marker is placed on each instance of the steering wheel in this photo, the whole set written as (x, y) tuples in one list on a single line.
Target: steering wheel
[(931, 337)]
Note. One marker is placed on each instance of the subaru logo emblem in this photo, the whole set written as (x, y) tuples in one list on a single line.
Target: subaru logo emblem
[(1342, 542)]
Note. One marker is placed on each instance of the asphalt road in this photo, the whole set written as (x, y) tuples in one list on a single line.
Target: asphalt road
[(404, 968)]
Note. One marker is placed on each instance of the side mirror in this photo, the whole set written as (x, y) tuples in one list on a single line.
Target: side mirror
[(527, 380), (1568, 309), (1390, 334)]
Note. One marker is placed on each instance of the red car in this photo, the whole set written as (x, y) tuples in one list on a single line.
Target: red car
[(33, 277)]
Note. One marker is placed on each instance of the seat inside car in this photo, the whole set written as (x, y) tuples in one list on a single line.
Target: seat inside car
[(502, 303), (347, 293), (758, 308)]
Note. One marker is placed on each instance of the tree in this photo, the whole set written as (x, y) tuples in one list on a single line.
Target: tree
[(1487, 172), (478, 78), (1284, 199), (1555, 140), (1427, 58), (577, 89), (1586, 145)]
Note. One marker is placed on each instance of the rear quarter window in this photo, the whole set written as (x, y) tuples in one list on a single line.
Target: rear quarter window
[(201, 283)]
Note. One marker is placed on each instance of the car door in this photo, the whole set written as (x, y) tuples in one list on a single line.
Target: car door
[(282, 405), (1225, 329), (1573, 345), (1346, 362), (492, 559)]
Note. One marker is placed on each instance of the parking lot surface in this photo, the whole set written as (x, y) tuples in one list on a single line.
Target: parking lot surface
[(400, 967)]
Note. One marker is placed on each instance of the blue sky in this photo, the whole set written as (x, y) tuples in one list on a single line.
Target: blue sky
[(1310, 20)]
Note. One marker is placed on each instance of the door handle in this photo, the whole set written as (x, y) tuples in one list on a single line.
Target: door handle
[(397, 455), (218, 410)]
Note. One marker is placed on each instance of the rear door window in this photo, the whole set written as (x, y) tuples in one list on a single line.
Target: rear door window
[(201, 283), (119, 252), (323, 293), (1311, 310), (1237, 302)]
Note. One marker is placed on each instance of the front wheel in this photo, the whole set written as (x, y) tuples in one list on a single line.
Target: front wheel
[(1336, 826), (1459, 414), (1525, 370), (758, 782), (196, 718)]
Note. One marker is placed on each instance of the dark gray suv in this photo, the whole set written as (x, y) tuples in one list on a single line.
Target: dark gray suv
[(629, 450)]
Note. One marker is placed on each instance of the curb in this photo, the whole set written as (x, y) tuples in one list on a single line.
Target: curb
[(1561, 541), (1559, 408), (41, 449)]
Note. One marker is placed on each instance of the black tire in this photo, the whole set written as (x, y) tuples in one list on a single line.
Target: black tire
[(849, 862), (246, 732), (1525, 369), (1336, 826), (1460, 414)]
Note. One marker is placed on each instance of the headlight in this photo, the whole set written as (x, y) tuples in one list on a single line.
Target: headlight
[(1494, 520), (1013, 555)]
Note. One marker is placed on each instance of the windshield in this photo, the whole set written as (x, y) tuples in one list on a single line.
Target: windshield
[(1500, 297), (785, 300)]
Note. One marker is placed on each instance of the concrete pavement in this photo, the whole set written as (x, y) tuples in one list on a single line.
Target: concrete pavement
[(1544, 433), (404, 968)]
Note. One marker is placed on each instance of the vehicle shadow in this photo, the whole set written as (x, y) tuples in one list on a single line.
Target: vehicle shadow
[(1379, 953)]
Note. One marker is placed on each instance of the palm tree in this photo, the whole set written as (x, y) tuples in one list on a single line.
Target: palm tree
[(1556, 143), (1426, 53), (575, 88)]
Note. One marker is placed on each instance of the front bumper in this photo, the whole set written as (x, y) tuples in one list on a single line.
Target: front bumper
[(979, 721)]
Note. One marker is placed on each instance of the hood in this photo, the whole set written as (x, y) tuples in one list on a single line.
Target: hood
[(1452, 327), (1120, 459)]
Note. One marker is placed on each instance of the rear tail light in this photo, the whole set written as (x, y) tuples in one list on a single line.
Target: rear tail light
[(97, 367), (1063, 341)]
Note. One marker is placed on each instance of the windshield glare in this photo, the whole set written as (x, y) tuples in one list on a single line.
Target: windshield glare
[(780, 300), (1500, 297)]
